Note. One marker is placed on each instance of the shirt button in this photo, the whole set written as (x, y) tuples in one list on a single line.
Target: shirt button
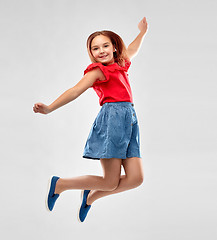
[(131, 124), (132, 104), (134, 114)]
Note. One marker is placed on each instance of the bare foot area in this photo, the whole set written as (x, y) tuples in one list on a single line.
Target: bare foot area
[(58, 189)]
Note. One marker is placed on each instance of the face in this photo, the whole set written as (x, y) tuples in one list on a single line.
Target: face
[(102, 49)]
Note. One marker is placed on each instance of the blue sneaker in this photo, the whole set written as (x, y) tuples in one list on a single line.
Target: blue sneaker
[(84, 208), (51, 197)]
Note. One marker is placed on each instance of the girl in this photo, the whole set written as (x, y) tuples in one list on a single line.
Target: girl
[(114, 136)]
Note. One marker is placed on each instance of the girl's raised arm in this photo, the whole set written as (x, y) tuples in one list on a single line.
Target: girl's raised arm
[(71, 94), (134, 47)]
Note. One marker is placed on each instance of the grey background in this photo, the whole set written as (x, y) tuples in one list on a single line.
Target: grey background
[(173, 78)]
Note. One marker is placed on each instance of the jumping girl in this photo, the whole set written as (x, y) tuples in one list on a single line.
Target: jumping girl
[(114, 136)]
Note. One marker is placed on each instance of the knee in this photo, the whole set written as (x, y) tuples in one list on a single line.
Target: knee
[(137, 180), (111, 185), (140, 180)]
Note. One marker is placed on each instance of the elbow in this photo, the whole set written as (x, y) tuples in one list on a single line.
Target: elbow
[(76, 92)]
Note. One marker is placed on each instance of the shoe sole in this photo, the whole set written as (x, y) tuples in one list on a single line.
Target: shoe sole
[(82, 194), (48, 190)]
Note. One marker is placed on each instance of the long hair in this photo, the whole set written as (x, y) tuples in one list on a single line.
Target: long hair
[(120, 55)]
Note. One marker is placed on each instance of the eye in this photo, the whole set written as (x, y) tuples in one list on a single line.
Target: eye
[(106, 45), (94, 49)]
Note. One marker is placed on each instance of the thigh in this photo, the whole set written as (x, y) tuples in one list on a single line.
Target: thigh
[(133, 167), (111, 168), (133, 149)]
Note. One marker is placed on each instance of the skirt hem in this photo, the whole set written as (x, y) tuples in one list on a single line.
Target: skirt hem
[(95, 158)]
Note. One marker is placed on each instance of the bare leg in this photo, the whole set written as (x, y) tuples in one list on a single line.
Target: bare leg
[(110, 180), (132, 179)]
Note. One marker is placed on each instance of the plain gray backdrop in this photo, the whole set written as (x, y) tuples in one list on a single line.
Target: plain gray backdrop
[(173, 78)]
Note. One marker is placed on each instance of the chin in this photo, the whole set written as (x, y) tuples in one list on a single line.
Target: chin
[(107, 62)]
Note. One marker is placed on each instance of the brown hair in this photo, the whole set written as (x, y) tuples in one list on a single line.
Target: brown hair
[(120, 55)]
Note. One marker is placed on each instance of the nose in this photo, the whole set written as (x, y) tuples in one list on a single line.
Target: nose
[(101, 50)]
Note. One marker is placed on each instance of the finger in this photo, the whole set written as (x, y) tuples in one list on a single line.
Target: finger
[(38, 104)]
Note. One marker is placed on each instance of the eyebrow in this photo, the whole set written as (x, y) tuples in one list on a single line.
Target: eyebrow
[(97, 45)]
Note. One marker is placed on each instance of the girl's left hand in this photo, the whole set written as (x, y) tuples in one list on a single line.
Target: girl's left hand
[(143, 25)]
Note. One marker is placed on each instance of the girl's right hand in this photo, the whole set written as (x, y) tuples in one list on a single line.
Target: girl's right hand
[(41, 108)]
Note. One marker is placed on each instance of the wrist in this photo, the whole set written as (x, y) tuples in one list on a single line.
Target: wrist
[(142, 32), (50, 108)]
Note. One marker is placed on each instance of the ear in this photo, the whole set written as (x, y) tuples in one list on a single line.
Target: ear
[(114, 49)]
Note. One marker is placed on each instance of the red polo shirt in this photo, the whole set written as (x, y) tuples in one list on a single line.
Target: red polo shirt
[(116, 86)]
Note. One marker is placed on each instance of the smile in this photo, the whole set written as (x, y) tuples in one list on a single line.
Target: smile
[(103, 56)]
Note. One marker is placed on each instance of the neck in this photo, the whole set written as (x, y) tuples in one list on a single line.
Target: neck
[(109, 63)]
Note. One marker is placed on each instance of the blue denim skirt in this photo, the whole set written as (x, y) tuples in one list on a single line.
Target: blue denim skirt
[(114, 133)]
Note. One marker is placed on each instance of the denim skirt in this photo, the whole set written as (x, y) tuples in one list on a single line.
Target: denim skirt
[(114, 133)]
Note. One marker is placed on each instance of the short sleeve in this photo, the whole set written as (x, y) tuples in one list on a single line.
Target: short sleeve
[(116, 66), (102, 68), (127, 65)]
